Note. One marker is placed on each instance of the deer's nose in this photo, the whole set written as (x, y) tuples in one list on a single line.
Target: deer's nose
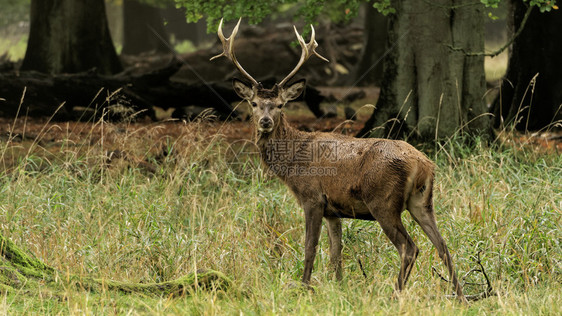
[(266, 122)]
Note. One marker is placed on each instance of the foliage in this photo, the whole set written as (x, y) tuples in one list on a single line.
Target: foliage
[(256, 11), (309, 10), (543, 5), (384, 7), (86, 214), (13, 11), (214, 10)]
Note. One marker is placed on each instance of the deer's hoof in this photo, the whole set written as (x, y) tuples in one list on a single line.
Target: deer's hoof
[(298, 286)]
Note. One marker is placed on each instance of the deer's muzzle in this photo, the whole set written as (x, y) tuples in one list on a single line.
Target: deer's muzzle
[(265, 124)]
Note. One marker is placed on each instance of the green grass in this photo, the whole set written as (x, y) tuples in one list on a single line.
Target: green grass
[(14, 47), (193, 209)]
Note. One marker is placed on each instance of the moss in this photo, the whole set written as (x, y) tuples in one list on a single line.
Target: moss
[(208, 280), (17, 270), (10, 277), (27, 265)]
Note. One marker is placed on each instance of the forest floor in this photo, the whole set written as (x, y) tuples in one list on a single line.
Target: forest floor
[(142, 203), (147, 203), (47, 136), (51, 135)]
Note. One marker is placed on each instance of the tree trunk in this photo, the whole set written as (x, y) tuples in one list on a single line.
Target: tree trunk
[(369, 70), (68, 36), (524, 102), (431, 89), (140, 23)]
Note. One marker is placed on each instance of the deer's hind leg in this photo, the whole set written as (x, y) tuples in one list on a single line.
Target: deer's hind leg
[(420, 206), (387, 214), (406, 247)]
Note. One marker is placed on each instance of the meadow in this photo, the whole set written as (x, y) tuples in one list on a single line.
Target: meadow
[(130, 202)]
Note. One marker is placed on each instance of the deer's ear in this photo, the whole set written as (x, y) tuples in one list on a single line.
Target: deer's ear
[(293, 91), (242, 89)]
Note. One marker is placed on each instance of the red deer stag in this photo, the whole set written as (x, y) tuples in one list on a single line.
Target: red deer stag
[(335, 176)]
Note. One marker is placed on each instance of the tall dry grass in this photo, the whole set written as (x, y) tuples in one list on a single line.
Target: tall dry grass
[(130, 202)]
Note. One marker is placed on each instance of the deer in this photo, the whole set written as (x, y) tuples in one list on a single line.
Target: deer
[(335, 176)]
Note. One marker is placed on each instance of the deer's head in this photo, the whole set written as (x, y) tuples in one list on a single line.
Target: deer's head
[(267, 104)]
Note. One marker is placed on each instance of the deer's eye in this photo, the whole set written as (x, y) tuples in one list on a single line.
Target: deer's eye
[(254, 104), (280, 106)]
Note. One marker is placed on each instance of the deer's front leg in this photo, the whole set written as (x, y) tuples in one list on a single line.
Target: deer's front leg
[(313, 218), (335, 235)]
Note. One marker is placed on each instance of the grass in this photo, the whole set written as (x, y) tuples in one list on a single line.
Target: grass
[(132, 204), (14, 47)]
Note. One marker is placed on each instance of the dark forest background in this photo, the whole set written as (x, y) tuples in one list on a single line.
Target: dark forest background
[(429, 60)]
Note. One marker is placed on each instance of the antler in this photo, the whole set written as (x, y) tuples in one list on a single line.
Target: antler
[(307, 51), (228, 51)]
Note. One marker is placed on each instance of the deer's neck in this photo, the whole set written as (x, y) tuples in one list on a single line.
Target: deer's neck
[(282, 137)]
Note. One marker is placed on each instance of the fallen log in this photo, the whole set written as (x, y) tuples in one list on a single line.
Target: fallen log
[(88, 95), (19, 270), (45, 93)]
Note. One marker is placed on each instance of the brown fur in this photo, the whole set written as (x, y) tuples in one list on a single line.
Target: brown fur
[(370, 179), (375, 179)]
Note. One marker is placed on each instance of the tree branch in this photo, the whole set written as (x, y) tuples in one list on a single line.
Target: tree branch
[(361, 267), (475, 297), (506, 45)]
